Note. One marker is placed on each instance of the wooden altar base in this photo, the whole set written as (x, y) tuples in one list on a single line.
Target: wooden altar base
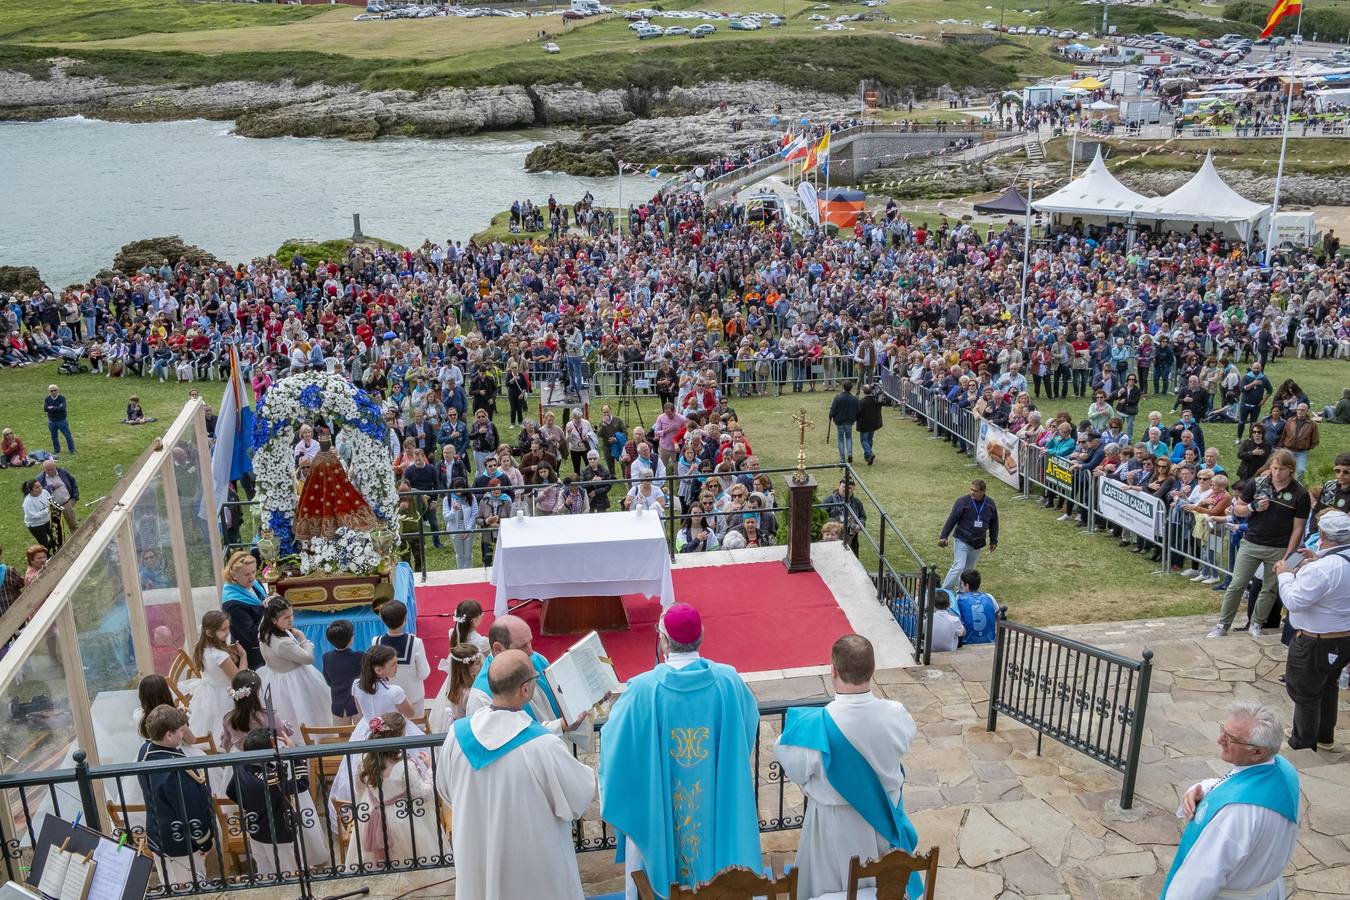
[(582, 615)]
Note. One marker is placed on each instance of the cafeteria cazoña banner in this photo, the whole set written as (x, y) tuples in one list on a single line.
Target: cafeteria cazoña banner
[(1134, 511)]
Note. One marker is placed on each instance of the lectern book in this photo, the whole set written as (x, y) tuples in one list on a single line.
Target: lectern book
[(581, 677)]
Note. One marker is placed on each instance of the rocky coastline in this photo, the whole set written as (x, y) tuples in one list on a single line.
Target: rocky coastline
[(347, 111)]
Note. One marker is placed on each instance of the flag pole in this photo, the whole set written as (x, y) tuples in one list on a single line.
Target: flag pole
[(827, 187), (1284, 138)]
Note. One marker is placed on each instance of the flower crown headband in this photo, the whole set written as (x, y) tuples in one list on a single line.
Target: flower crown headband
[(239, 694)]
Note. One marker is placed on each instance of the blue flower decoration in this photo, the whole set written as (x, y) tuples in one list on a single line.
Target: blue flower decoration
[(311, 397), (281, 526)]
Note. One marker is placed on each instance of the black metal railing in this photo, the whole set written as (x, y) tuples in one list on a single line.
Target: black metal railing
[(1088, 699), (308, 796)]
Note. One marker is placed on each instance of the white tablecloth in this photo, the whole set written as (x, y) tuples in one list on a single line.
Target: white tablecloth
[(593, 554)]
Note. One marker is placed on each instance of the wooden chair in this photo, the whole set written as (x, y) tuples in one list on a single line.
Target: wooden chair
[(325, 768), (892, 873), (181, 666), (121, 823), (207, 742), (233, 847), (732, 883), (346, 821)]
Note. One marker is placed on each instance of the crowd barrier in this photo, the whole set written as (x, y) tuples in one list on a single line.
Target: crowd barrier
[(340, 838), (1183, 544), (904, 583), (1088, 699), (741, 378)]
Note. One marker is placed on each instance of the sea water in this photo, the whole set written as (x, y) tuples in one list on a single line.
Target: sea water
[(74, 190)]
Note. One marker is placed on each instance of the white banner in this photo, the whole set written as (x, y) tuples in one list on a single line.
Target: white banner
[(996, 451), (811, 200), (1134, 511)]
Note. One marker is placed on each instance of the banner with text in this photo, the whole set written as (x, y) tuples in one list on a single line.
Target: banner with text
[(1058, 474), (1134, 511), (996, 451)]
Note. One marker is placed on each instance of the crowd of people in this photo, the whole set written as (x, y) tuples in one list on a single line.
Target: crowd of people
[(448, 338)]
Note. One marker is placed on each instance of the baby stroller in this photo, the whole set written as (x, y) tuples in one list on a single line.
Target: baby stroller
[(70, 360)]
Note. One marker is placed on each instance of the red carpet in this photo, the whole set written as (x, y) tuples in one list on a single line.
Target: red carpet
[(756, 617)]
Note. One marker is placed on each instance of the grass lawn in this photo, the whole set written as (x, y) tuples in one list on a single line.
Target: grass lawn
[(915, 479), (200, 45), (88, 20)]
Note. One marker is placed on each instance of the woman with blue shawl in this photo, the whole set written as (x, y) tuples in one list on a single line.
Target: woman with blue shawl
[(242, 600)]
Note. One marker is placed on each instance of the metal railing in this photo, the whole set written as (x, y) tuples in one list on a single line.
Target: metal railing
[(904, 583), (1089, 699), (1178, 546), (327, 832)]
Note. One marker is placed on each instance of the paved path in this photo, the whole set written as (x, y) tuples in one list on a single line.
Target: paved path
[(1012, 824)]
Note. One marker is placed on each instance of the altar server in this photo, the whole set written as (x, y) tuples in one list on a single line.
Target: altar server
[(675, 775), (1242, 827), (515, 790), (846, 758)]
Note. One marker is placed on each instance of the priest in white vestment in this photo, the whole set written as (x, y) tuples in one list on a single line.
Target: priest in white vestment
[(1242, 828), (514, 790), (881, 732), (513, 633)]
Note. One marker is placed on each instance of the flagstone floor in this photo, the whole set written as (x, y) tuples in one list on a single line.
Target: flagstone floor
[(1014, 824)]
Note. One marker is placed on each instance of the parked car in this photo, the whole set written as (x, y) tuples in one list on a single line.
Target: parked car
[(675, 30), (744, 25), (703, 30), (649, 31), (551, 47)]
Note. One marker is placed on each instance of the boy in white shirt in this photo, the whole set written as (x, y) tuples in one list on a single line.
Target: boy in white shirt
[(413, 667), (947, 627)]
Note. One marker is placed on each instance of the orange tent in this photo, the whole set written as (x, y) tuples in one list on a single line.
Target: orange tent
[(841, 207)]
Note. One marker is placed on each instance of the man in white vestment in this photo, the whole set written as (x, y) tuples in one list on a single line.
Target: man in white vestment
[(1241, 828), (513, 633), (514, 790), (880, 731)]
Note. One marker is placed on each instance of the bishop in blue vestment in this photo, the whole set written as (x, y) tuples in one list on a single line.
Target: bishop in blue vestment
[(675, 771)]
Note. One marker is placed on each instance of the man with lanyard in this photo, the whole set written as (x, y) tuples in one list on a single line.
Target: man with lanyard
[(974, 518), (1276, 507), (1316, 591), (846, 758), (515, 789), (513, 633), (1255, 389), (1243, 827)]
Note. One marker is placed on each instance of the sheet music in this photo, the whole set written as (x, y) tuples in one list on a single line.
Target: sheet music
[(54, 871), (78, 875), (580, 678), (113, 872)]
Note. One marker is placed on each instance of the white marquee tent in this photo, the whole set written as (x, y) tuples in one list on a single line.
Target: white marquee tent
[(1099, 196), (1095, 194), (1207, 198)]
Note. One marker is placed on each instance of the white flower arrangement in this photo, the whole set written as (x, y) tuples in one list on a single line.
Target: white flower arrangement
[(291, 401)]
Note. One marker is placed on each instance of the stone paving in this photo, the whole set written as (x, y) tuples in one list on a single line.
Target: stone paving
[(1014, 824)]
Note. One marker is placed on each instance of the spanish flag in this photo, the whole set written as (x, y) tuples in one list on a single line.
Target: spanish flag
[(1282, 9)]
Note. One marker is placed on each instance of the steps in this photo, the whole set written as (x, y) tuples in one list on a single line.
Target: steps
[(1035, 150)]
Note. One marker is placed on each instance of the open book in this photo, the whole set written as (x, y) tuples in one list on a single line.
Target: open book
[(66, 875), (581, 677)]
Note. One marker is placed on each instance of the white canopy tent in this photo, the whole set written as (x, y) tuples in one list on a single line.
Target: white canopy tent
[(1096, 194), (1208, 199)]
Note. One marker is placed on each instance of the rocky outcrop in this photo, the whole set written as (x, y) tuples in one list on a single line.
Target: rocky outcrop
[(19, 278), (346, 111), (153, 251), (687, 126)]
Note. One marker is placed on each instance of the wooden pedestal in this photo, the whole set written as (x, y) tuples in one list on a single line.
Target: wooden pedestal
[(582, 615), (798, 557)]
